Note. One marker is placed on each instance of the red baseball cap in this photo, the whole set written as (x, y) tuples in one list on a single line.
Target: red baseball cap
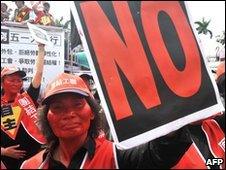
[(11, 70), (65, 83)]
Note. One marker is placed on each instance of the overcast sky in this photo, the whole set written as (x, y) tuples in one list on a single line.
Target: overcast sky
[(213, 10)]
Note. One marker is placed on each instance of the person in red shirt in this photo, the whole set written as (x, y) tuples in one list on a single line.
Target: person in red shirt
[(43, 16), (70, 120), (20, 135), (23, 13)]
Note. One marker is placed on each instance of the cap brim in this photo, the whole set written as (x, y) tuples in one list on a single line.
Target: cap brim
[(79, 92), (85, 75), (21, 73)]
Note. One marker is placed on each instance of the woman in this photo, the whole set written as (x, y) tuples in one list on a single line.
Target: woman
[(20, 135), (70, 121)]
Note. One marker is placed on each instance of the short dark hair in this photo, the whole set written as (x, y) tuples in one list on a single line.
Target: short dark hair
[(97, 124), (46, 4), (19, 1)]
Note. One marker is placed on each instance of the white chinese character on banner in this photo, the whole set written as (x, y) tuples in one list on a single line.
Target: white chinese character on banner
[(24, 102), (30, 110)]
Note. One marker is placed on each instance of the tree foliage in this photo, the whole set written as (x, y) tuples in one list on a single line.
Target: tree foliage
[(203, 27), (59, 23)]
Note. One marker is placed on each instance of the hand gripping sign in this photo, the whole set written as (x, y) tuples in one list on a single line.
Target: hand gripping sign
[(149, 70)]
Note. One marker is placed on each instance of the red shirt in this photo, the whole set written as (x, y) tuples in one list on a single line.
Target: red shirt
[(44, 18)]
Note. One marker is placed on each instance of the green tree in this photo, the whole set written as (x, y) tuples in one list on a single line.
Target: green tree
[(59, 23), (203, 27)]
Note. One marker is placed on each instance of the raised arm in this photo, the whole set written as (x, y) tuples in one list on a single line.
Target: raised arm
[(39, 65)]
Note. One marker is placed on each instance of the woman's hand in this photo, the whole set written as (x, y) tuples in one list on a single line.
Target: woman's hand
[(13, 152)]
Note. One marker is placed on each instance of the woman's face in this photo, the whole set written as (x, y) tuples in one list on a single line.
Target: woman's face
[(12, 84), (69, 115)]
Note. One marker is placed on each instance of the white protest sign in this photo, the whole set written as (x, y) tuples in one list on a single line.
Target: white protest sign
[(39, 34)]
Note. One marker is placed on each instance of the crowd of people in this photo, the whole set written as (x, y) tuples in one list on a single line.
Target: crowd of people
[(68, 128), (71, 133), (37, 14)]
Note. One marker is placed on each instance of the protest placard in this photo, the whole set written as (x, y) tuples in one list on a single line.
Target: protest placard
[(39, 34), (148, 67)]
